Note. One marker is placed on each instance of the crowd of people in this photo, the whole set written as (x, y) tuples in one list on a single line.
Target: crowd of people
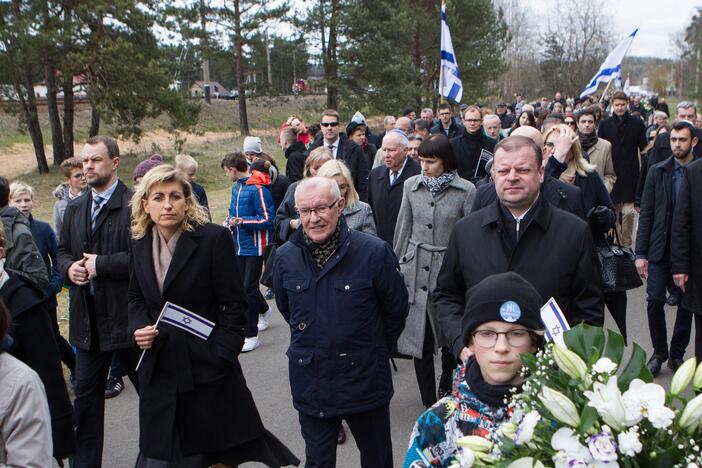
[(440, 235)]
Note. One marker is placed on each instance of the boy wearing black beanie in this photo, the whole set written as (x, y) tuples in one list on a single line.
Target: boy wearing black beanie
[(502, 321)]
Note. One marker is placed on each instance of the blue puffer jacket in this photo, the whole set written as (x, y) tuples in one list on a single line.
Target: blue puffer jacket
[(253, 203), (344, 320)]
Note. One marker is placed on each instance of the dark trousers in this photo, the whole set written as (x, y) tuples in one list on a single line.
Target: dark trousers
[(424, 368), (616, 304), (250, 271), (371, 430), (89, 405), (659, 280)]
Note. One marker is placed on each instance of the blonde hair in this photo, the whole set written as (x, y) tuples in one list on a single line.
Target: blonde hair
[(318, 156), (574, 159), (195, 214), (335, 168), (185, 161), (18, 188)]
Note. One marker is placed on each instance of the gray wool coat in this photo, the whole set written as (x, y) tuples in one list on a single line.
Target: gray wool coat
[(360, 217), (422, 232)]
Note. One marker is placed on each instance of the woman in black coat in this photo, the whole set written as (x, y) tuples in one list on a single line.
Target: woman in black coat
[(35, 345), (572, 168), (194, 407)]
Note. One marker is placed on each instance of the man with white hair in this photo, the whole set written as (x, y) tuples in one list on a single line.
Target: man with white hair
[(428, 116), (346, 302), (493, 126), (385, 183)]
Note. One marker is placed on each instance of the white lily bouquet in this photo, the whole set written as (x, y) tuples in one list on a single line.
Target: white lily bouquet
[(582, 407)]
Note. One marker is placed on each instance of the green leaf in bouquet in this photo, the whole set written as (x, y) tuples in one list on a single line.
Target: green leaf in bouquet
[(583, 338), (587, 419), (529, 360), (661, 458), (615, 347), (635, 368)]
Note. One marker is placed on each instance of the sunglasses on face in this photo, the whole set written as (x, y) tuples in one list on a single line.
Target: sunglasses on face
[(570, 122), (329, 124)]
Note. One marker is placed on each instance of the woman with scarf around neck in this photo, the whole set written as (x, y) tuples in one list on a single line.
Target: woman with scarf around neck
[(195, 409), (501, 322), (432, 203)]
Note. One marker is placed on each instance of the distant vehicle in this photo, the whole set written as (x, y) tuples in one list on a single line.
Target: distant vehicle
[(233, 94), (300, 87)]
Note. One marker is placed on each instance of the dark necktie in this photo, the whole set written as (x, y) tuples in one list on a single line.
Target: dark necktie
[(97, 205)]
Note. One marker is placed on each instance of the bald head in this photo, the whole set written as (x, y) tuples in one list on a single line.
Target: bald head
[(403, 123), (529, 132)]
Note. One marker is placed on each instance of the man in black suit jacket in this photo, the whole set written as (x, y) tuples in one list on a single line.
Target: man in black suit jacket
[(92, 257), (344, 149), (385, 183)]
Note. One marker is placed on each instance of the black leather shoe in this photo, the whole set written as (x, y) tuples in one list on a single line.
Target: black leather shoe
[(654, 364), (672, 300), (674, 363), (342, 436)]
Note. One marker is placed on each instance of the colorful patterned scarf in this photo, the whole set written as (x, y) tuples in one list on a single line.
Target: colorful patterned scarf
[(323, 252), (436, 184)]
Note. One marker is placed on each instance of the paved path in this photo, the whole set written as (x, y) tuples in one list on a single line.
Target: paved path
[(266, 372)]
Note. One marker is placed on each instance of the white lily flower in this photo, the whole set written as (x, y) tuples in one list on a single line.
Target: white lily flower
[(569, 362), (691, 414), (640, 398), (683, 376), (526, 462), (569, 451), (475, 443), (607, 400), (467, 457), (604, 365), (560, 406), (661, 417), (697, 379)]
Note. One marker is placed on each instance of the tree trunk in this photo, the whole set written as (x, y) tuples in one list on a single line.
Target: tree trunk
[(94, 121), (238, 55), (332, 66), (68, 115), (54, 118), (29, 106)]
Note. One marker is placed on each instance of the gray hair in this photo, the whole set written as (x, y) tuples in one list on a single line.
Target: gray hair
[(659, 114), (686, 105), (490, 117), (387, 119), (426, 109), (398, 137), (312, 183)]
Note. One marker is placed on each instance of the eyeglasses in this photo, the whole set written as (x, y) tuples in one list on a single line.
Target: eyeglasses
[(488, 338), (329, 124), (321, 210), (444, 114), (473, 120), (570, 122)]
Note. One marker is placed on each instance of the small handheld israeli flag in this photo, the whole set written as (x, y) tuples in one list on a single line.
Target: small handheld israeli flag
[(554, 321), (485, 158), (185, 320)]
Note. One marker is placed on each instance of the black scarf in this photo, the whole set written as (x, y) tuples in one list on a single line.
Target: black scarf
[(587, 141), (492, 395), (323, 252), (621, 123)]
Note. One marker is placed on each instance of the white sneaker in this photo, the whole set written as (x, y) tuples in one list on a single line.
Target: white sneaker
[(263, 320), (250, 344)]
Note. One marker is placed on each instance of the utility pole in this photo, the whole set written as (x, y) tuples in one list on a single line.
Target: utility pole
[(205, 54), (268, 63)]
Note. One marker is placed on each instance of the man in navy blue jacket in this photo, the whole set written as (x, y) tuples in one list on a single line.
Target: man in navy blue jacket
[(344, 298)]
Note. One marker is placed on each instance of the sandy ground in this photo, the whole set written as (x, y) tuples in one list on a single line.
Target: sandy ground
[(19, 158)]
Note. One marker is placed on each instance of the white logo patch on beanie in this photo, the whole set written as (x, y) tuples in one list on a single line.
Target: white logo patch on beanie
[(510, 311)]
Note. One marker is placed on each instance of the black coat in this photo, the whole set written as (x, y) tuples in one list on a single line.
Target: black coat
[(344, 321), (454, 130), (591, 186), (660, 152), (555, 253), (296, 155), (627, 139), (278, 188), (35, 345), (385, 200), (686, 236), (110, 241), (357, 162), (656, 215), (468, 148), (196, 385), (559, 194)]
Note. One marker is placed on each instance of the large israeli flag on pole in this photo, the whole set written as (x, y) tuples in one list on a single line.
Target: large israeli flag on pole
[(450, 85), (611, 68)]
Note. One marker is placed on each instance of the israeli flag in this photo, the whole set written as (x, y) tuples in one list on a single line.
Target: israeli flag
[(611, 68), (450, 85), (186, 320), (554, 321)]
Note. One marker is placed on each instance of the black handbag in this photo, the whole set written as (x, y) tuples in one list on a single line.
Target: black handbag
[(617, 266)]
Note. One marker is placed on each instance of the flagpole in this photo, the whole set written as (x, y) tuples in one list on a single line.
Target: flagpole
[(442, 99), (605, 90), (143, 352)]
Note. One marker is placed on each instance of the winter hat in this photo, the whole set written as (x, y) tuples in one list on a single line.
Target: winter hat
[(356, 121), (252, 144), (504, 297), (260, 165), (146, 165)]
